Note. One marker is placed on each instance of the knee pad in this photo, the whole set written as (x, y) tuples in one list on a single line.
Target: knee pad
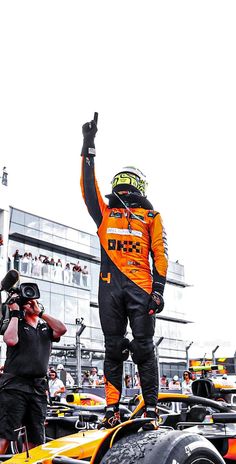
[(117, 348), (141, 349)]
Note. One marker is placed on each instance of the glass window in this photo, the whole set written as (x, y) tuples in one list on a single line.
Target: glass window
[(71, 331), (59, 289), (45, 286), (71, 291), (59, 230), (13, 246), (17, 229), (72, 234), (71, 310), (84, 238), (45, 300), (46, 226), (174, 300), (46, 237), (32, 221), (84, 311), (96, 334), (17, 216), (31, 232), (57, 306), (95, 317)]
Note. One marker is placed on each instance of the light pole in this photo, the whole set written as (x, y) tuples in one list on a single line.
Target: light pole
[(213, 354), (81, 326), (187, 357)]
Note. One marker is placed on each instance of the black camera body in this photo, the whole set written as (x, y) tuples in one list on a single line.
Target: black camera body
[(20, 295)]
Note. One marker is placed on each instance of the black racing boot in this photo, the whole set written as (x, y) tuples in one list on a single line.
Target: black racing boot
[(152, 412), (111, 418)]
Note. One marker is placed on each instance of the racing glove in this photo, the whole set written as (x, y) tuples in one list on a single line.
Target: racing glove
[(89, 131), (156, 303)]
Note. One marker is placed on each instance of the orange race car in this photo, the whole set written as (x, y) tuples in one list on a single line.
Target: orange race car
[(193, 430)]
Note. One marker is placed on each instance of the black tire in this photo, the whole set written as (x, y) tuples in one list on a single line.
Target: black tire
[(163, 447)]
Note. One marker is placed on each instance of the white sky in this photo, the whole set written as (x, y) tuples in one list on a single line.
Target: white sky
[(162, 77)]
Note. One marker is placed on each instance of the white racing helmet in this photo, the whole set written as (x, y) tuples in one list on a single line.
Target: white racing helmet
[(131, 179)]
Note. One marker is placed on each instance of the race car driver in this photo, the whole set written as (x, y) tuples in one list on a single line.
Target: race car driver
[(129, 230)]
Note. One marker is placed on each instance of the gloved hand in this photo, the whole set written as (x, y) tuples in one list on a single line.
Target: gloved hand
[(156, 303), (89, 131)]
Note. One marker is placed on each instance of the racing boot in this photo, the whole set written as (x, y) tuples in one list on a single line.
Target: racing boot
[(152, 412), (111, 418)]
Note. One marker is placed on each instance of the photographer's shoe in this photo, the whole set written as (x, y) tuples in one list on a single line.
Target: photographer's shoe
[(111, 418), (152, 412)]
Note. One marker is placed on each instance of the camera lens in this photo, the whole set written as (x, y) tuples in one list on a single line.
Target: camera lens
[(29, 292)]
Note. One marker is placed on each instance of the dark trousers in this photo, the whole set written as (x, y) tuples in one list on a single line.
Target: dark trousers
[(120, 301)]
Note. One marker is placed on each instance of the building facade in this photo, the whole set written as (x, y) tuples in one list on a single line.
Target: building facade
[(64, 262)]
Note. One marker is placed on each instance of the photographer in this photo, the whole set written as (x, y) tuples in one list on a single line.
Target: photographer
[(23, 385)]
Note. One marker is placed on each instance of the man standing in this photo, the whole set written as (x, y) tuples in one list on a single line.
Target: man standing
[(129, 230), (23, 385), (56, 386)]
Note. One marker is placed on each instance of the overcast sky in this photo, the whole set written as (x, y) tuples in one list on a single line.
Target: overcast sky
[(162, 77)]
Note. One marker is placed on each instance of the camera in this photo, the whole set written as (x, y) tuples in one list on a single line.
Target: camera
[(20, 295)]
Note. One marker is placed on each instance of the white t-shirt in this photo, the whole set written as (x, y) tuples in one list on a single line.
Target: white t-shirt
[(187, 387), (55, 385)]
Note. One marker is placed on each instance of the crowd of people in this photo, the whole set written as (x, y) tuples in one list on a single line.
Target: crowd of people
[(175, 383), (46, 267)]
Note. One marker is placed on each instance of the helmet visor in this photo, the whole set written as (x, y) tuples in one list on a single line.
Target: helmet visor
[(128, 179)]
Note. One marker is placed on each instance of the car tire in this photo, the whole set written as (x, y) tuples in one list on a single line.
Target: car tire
[(163, 447)]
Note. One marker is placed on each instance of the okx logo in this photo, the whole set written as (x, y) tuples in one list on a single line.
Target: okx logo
[(124, 245)]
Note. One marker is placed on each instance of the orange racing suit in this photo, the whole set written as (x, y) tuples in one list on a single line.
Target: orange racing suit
[(128, 234)]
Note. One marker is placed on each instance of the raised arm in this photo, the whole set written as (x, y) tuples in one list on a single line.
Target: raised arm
[(88, 182)]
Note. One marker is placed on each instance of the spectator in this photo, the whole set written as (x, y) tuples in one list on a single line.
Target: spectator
[(76, 273), (37, 267), (85, 379), (16, 260), (46, 268), (65, 376), (93, 376), (61, 373), (136, 380), (85, 276), (175, 383), (23, 385), (187, 383), (58, 272), (9, 264), (30, 262), (67, 274), (56, 386), (164, 384), (24, 261), (4, 176), (128, 381), (100, 380), (69, 380), (52, 269)]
